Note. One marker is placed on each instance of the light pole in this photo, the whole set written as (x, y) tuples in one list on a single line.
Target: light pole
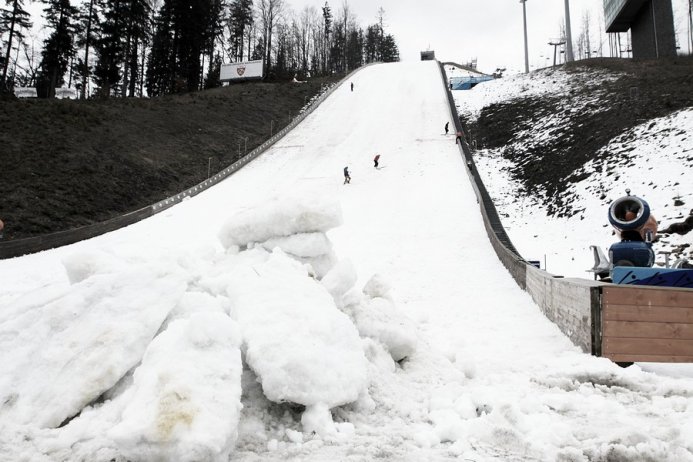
[(569, 35), (524, 18)]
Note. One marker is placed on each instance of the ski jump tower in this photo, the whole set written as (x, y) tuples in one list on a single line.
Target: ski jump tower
[(651, 23)]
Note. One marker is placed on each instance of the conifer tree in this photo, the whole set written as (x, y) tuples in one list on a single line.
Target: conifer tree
[(13, 19), (88, 31), (59, 46), (241, 18)]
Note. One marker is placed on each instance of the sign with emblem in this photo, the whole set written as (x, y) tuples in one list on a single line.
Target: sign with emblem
[(241, 71)]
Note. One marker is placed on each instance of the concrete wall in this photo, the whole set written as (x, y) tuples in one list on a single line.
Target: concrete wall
[(655, 16), (571, 304)]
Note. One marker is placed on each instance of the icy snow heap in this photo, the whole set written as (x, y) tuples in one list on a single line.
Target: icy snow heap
[(144, 361)]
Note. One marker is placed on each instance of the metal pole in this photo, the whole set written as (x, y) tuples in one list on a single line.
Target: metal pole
[(524, 18), (690, 26), (654, 27), (569, 35)]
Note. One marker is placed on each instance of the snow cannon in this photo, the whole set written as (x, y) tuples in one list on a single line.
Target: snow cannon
[(631, 217), (637, 228)]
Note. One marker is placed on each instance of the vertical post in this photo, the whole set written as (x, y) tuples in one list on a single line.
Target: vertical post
[(524, 19), (654, 28), (690, 26), (569, 36)]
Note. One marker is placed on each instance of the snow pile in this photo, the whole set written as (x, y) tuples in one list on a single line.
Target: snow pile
[(295, 225), (184, 404), (62, 346), (302, 348), (377, 317)]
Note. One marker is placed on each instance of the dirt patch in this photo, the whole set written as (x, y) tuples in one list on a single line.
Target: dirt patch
[(65, 164)]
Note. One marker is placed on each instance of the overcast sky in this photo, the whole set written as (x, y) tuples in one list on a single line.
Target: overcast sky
[(489, 30)]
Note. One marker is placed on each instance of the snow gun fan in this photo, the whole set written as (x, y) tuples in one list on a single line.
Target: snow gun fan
[(637, 228)]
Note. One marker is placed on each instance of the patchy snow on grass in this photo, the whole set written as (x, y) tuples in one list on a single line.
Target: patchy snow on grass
[(654, 160)]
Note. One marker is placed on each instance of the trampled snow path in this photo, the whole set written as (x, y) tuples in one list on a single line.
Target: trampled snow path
[(491, 378)]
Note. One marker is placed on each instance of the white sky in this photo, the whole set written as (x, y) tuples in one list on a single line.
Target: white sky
[(489, 30)]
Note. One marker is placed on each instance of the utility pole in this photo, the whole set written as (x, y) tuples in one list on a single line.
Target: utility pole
[(569, 36), (690, 26), (524, 17), (555, 46)]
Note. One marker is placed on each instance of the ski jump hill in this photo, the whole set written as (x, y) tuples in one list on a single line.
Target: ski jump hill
[(150, 342)]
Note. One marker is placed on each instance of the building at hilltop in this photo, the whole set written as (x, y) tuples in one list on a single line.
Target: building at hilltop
[(651, 24)]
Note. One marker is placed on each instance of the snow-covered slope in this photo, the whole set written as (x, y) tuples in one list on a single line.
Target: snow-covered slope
[(408, 271)]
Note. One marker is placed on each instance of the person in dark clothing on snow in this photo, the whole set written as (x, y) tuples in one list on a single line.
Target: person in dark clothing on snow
[(447, 126), (352, 86), (376, 159), (347, 177)]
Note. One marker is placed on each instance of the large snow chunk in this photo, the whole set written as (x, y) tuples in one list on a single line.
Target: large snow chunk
[(377, 286), (379, 318), (340, 280), (302, 348), (59, 355), (301, 245), (282, 217), (186, 395), (82, 265)]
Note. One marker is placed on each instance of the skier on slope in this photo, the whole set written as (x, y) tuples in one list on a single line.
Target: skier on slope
[(347, 177), (376, 159)]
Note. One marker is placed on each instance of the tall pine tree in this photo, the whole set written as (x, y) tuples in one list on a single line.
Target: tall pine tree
[(241, 18), (88, 32), (12, 19), (59, 46)]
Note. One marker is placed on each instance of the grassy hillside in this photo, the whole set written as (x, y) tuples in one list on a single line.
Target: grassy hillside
[(590, 115), (65, 164)]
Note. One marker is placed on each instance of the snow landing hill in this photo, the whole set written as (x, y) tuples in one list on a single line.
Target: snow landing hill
[(313, 321)]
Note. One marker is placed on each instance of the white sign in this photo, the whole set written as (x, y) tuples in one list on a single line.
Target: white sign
[(25, 92), (241, 71), (66, 93)]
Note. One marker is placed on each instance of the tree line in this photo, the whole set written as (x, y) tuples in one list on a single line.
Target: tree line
[(118, 48)]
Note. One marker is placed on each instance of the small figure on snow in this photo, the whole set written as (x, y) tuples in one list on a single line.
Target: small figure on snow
[(447, 127), (376, 159), (352, 86), (347, 177)]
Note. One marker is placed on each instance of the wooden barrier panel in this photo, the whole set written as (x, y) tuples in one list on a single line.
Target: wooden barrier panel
[(647, 324)]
